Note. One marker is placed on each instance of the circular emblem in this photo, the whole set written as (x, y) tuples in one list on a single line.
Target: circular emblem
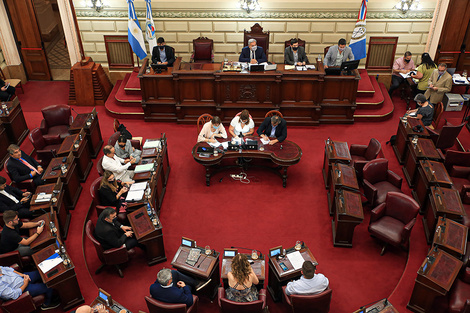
[(150, 31), (359, 32)]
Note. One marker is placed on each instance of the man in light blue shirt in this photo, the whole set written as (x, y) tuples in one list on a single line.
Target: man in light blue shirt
[(309, 284), (13, 284)]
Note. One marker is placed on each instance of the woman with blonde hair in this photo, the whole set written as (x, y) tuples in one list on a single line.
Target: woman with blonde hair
[(111, 193), (242, 281)]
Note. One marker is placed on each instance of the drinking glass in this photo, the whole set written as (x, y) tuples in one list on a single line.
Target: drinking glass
[(298, 245), (254, 255), (208, 250)]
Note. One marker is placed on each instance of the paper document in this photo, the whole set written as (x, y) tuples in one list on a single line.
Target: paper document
[(405, 75), (458, 79), (236, 140), (214, 144), (270, 67), (138, 186), (289, 67), (264, 141), (136, 195), (143, 168), (49, 263), (300, 68), (225, 145), (151, 143), (412, 114), (296, 259), (310, 67), (43, 197)]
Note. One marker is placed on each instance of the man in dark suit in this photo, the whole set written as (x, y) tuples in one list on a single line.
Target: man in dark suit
[(294, 54), (163, 54), (11, 198), (23, 167), (111, 234), (252, 53), (273, 127), (6, 91)]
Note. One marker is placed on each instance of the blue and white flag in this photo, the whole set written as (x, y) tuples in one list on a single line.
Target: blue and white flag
[(358, 39), (134, 33), (150, 27)]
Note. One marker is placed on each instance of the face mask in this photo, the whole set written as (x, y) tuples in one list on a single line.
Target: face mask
[(295, 48), (407, 61), (341, 49), (111, 180), (440, 73), (215, 127), (162, 47), (254, 48)]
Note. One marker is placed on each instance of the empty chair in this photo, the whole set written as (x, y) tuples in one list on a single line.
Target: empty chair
[(46, 147), (459, 298), (204, 118), (466, 205), (379, 180), (317, 303), (229, 306), (361, 154), (203, 50), (57, 120), (457, 164), (446, 136), (156, 306), (392, 221)]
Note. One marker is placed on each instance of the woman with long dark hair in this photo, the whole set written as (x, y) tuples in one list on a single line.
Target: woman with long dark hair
[(423, 72)]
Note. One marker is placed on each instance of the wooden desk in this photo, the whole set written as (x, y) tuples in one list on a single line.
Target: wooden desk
[(14, 122), (4, 143), (258, 267), (58, 205), (70, 179), (348, 215), (442, 202), (335, 151), (422, 150), (89, 121), (46, 238), (278, 278), (382, 306), (148, 233), (116, 307), (451, 237), (435, 278), (64, 281), (342, 177), (430, 173), (282, 155), (206, 267), (81, 153), (404, 132)]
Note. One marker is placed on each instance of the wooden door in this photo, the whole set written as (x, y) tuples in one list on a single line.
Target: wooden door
[(28, 36), (464, 58)]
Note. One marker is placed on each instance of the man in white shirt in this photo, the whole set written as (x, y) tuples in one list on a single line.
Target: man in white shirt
[(310, 283), (116, 165)]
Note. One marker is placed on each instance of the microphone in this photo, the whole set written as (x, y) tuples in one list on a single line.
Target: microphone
[(54, 155), (205, 256), (74, 110)]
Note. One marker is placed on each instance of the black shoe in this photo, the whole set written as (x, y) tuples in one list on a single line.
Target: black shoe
[(52, 305), (202, 284)]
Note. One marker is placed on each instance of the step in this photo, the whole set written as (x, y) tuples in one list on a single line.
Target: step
[(365, 87), (119, 110), (376, 100), (383, 112), (133, 83), (125, 98)]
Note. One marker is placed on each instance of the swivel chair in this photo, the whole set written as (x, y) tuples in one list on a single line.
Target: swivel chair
[(317, 303)]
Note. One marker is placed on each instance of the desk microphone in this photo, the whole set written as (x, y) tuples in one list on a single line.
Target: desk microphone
[(74, 110), (54, 155), (260, 254), (203, 259)]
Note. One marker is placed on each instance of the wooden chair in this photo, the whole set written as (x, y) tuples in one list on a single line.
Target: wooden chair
[(317, 303), (116, 129), (13, 81), (272, 113), (203, 50), (436, 116), (229, 306), (301, 42), (325, 50), (262, 38), (204, 118), (156, 306)]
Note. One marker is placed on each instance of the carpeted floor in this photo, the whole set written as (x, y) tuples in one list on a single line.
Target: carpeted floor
[(258, 215)]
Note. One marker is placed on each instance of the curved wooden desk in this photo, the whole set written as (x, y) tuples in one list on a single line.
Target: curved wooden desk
[(282, 154)]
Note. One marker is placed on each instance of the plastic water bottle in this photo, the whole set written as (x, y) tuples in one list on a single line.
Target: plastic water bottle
[(149, 209)]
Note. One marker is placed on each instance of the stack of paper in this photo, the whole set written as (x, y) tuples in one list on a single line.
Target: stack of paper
[(300, 68), (458, 79), (139, 186), (143, 168), (43, 197), (135, 195), (151, 143), (310, 67), (49, 263), (296, 259)]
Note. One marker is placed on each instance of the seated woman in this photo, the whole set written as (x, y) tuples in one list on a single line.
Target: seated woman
[(242, 124), (111, 194), (212, 130), (242, 281)]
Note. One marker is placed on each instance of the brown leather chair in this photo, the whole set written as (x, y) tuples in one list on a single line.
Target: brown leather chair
[(229, 306), (46, 147), (437, 114), (379, 180), (300, 41), (457, 164), (14, 257), (445, 137), (203, 50), (114, 256), (262, 38), (466, 219), (99, 166), (361, 154), (95, 197), (392, 221), (25, 184), (156, 306), (114, 137), (204, 118), (317, 303), (459, 299), (274, 112), (57, 120)]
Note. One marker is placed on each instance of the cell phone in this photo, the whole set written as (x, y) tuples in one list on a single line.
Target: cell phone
[(283, 266), (42, 224), (64, 159)]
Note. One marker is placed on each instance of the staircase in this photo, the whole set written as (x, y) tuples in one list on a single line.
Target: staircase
[(125, 100)]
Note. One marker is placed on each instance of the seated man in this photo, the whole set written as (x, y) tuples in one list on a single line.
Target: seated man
[(401, 65), (295, 55), (88, 309), (252, 53), (23, 167), (163, 54), (13, 284), (124, 149), (116, 165), (111, 234), (439, 83), (424, 112), (6, 91), (11, 239), (175, 287), (309, 284), (274, 127), (11, 198), (338, 54)]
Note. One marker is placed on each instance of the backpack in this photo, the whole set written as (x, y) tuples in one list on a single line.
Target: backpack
[(392, 140), (122, 129)]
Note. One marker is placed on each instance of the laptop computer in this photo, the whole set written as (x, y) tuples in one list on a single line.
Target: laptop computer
[(256, 68), (333, 71)]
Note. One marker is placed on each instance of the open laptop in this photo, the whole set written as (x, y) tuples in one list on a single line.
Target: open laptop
[(333, 71)]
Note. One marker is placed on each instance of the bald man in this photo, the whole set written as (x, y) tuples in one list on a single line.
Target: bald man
[(88, 309)]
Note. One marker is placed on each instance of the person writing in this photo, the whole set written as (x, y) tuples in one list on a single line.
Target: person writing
[(212, 130), (242, 124), (425, 110), (439, 83), (294, 54), (401, 65), (242, 281), (252, 53), (273, 127), (309, 283), (11, 238), (338, 54), (163, 54)]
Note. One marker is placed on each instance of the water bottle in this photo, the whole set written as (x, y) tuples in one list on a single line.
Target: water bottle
[(63, 168), (80, 137), (319, 58), (149, 209)]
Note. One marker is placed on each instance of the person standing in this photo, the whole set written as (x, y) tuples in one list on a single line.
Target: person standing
[(338, 54), (423, 72), (439, 83)]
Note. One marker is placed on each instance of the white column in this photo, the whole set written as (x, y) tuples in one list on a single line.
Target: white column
[(70, 31), (7, 40), (435, 29)]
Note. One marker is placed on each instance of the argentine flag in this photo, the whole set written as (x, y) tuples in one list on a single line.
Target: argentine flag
[(134, 33), (150, 27), (358, 39)]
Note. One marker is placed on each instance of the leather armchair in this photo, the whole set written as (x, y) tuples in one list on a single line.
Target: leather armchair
[(95, 197), (459, 299), (466, 205), (262, 38), (379, 180), (392, 221), (229, 306), (445, 137), (203, 50), (25, 184), (458, 166), (361, 154), (24, 304), (114, 256), (114, 137), (14, 257), (317, 303), (57, 120), (46, 147), (156, 306), (99, 166)]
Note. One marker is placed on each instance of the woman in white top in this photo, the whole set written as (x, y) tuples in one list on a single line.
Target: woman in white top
[(211, 130), (242, 124)]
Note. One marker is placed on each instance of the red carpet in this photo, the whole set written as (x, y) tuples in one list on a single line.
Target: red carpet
[(259, 215)]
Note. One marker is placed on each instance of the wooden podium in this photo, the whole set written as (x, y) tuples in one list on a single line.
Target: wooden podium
[(451, 237), (89, 122), (14, 122), (80, 150), (335, 151), (435, 278), (404, 132), (348, 215), (342, 177)]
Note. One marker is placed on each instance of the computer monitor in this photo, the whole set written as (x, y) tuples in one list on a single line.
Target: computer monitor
[(230, 253), (105, 297), (333, 71), (451, 70), (348, 66), (188, 242), (159, 67), (275, 251), (256, 68)]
